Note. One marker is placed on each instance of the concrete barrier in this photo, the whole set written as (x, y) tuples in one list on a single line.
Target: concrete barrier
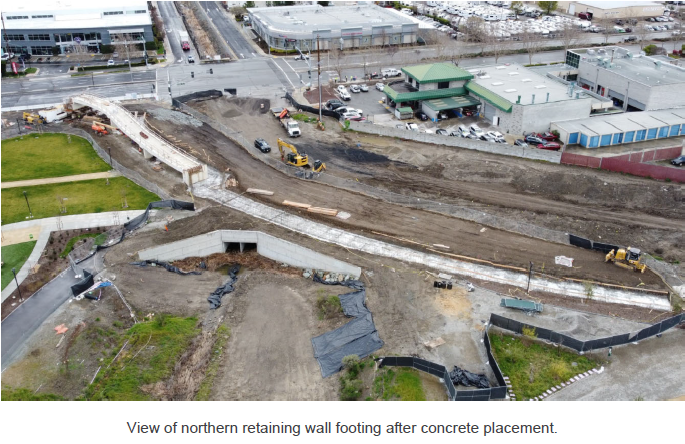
[(267, 245), (459, 142)]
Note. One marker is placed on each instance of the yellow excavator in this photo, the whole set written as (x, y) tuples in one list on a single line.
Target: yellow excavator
[(630, 258), (298, 159), (33, 118)]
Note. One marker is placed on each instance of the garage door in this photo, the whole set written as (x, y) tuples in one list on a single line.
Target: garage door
[(489, 112)]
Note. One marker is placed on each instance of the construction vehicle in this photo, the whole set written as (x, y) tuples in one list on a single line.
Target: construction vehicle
[(298, 159), (630, 258), (185, 40), (289, 124), (100, 130), (33, 118)]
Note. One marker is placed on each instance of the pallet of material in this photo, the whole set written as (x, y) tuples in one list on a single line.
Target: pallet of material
[(324, 211), (258, 191), (296, 204)]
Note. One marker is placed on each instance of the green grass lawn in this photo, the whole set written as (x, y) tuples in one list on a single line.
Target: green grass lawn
[(534, 368), (87, 196), (14, 256), (400, 383), (168, 338), (48, 155)]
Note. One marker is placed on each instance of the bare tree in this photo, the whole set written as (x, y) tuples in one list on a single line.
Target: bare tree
[(442, 44), (338, 61), (571, 35), (498, 45), (392, 50), (475, 31), (607, 27), (532, 43), (642, 33), (517, 7)]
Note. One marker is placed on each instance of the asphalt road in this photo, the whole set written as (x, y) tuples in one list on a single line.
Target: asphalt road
[(229, 31), (173, 25), (50, 90)]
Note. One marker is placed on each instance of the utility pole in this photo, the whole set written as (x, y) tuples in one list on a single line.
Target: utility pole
[(530, 271), (318, 67)]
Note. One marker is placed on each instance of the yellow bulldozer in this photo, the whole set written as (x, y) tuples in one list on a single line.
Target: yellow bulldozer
[(630, 258), (33, 118), (298, 159)]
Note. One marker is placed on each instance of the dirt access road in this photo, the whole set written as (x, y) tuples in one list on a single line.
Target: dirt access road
[(369, 214)]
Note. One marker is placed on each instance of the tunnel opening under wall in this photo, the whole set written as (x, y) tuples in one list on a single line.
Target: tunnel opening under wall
[(239, 247)]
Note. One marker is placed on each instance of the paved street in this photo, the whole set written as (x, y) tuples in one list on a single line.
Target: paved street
[(173, 25), (229, 31)]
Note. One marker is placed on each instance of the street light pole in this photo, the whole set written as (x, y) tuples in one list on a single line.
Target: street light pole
[(27, 204), (110, 157), (530, 271), (17, 282), (318, 67)]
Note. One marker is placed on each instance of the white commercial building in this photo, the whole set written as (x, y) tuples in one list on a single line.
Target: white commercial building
[(49, 27), (612, 9)]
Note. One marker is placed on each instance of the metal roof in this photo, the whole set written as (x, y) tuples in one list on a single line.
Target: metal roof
[(617, 4), (436, 72), (399, 97), (625, 122), (451, 103), (489, 96)]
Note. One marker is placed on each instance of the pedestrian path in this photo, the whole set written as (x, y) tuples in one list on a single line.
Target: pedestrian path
[(41, 229), (49, 180)]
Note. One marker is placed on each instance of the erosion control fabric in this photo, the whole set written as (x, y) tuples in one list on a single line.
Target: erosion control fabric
[(170, 268), (468, 379), (214, 299), (83, 285), (357, 337)]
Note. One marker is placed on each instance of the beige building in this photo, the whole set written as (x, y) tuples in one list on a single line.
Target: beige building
[(613, 9)]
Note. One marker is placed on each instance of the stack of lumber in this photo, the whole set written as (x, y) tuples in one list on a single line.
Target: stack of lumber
[(324, 211), (258, 191), (296, 204)]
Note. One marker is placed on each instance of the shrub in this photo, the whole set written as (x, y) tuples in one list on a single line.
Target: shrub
[(106, 49), (328, 306), (649, 49), (351, 389)]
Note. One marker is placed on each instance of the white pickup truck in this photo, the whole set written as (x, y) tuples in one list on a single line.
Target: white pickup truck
[(391, 72)]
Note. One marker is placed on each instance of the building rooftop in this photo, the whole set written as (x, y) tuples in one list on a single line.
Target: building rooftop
[(400, 94), (317, 17), (617, 4), (75, 14), (436, 72), (621, 123), (505, 85), (650, 71)]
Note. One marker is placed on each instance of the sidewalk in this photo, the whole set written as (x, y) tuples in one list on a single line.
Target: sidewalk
[(50, 180), (41, 229)]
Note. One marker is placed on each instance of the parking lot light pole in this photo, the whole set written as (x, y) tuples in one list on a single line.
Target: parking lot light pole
[(27, 204), (14, 272)]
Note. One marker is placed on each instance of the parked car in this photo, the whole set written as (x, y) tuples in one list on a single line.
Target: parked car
[(351, 115), (456, 134), (475, 130), (334, 104), (347, 109), (462, 130), (585, 16), (486, 138), (110, 62), (421, 115), (520, 142), (411, 126), (262, 145), (391, 72), (630, 38), (533, 139), (341, 89), (552, 146), (302, 57), (442, 132), (355, 89), (380, 86), (191, 59), (364, 88), (678, 161), (547, 136), (24, 57), (499, 137)]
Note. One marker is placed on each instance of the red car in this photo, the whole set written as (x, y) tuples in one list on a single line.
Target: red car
[(545, 136), (552, 146)]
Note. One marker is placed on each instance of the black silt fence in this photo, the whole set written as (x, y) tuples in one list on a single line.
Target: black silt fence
[(493, 362), (580, 241), (311, 109), (586, 346), (604, 248), (84, 284)]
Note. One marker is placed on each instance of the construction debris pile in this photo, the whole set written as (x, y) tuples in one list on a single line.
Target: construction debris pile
[(170, 268)]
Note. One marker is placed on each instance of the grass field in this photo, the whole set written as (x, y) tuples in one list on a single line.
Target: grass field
[(48, 155), (403, 384), (534, 368), (14, 256), (88, 196), (165, 339)]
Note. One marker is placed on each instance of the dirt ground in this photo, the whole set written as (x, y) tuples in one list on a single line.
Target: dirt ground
[(465, 238)]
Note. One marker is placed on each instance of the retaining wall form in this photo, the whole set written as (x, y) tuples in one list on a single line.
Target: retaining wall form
[(267, 245), (458, 142)]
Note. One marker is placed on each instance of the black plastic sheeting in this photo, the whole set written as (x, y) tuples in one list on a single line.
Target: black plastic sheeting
[(357, 337), (580, 241), (200, 96), (170, 268), (604, 248), (467, 379), (311, 109), (214, 299), (84, 284), (593, 344), (141, 220)]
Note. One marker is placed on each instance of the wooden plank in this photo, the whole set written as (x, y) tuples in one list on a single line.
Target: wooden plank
[(258, 191), (325, 211), (296, 204)]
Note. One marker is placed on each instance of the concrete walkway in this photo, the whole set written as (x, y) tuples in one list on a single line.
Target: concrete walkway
[(49, 180), (41, 229)]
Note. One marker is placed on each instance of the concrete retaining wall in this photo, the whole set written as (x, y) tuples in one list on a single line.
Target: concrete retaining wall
[(458, 142), (267, 245)]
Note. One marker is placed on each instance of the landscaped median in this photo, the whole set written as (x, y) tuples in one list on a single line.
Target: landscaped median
[(83, 197), (38, 156)]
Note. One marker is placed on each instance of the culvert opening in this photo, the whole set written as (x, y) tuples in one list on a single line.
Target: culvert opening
[(241, 247)]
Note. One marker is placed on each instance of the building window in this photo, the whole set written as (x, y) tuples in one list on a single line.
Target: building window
[(443, 85), (18, 49), (9, 37), (114, 13), (140, 11), (572, 59), (41, 37), (17, 17), (41, 16), (41, 50)]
